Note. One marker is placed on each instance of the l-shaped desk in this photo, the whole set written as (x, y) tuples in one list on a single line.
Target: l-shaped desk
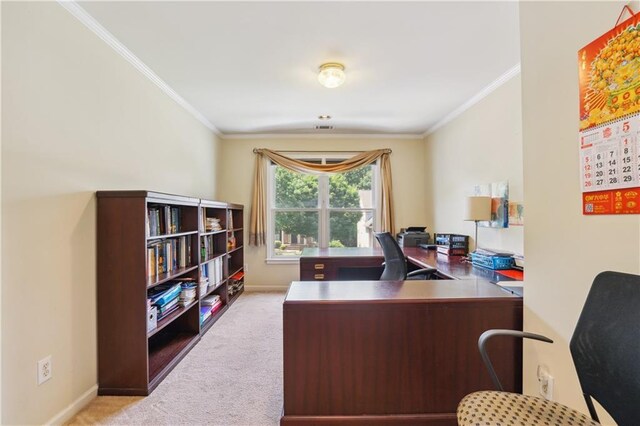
[(394, 352), (342, 264)]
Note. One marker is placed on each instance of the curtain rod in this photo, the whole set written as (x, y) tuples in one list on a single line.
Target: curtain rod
[(255, 150)]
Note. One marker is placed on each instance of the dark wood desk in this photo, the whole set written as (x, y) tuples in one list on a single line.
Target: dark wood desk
[(365, 263), (392, 352)]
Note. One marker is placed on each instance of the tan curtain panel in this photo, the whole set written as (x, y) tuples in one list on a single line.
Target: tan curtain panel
[(258, 222), (257, 231)]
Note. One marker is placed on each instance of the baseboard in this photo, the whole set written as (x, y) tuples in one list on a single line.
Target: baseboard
[(75, 407), (266, 288)]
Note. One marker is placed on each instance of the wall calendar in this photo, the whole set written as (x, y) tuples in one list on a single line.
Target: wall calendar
[(609, 137)]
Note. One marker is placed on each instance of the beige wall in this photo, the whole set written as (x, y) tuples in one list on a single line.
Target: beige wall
[(564, 249), (482, 145), (76, 118), (236, 180)]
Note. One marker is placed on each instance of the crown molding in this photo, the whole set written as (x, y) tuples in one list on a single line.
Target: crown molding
[(508, 75), (320, 136), (88, 20)]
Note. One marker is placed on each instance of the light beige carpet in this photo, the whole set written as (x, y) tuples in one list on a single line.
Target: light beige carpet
[(233, 376)]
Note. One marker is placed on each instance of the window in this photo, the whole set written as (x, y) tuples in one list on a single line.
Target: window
[(308, 210)]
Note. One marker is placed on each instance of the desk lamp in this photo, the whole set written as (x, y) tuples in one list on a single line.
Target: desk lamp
[(478, 209)]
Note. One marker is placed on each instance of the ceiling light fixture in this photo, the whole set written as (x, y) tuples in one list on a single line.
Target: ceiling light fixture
[(331, 75), (324, 117)]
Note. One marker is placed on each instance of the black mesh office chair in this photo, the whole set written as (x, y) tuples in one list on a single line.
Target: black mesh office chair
[(605, 348), (395, 263)]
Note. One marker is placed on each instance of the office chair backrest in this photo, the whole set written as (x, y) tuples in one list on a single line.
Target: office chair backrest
[(605, 346), (395, 264)]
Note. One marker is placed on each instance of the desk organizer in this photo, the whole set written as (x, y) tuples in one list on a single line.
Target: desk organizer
[(452, 244), (492, 262)]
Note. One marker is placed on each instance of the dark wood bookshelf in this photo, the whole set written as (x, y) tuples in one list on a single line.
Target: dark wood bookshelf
[(131, 359)]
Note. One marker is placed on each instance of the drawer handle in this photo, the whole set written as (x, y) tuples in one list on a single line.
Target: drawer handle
[(319, 276), (319, 266)]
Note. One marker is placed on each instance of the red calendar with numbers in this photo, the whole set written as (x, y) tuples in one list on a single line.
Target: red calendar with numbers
[(609, 139)]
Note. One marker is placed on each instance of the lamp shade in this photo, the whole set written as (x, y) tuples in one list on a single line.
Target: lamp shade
[(478, 208)]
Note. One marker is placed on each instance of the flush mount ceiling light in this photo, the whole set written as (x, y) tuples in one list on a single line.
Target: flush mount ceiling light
[(324, 117), (331, 75)]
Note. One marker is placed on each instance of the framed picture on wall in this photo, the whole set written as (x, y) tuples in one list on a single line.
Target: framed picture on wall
[(499, 193)]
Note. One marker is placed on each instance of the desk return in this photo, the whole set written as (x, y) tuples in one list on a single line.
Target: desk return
[(376, 352)]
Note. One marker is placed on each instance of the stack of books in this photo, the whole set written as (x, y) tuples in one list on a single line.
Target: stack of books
[(212, 224), (209, 306), (188, 293), (165, 298)]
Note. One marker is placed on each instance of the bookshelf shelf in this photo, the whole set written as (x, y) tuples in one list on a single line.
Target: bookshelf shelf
[(204, 234), (179, 234), (167, 353), (235, 272), (235, 249), (171, 317), (212, 288), (131, 360), (214, 257), (155, 280)]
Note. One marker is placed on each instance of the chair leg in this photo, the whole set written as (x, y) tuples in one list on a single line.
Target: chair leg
[(592, 409)]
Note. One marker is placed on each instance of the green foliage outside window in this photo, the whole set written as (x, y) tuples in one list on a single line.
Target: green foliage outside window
[(296, 190)]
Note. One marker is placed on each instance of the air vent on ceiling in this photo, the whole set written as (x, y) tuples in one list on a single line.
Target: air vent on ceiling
[(324, 127)]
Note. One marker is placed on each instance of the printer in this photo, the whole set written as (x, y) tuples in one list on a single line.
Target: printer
[(412, 236)]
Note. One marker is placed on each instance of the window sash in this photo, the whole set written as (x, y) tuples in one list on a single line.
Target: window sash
[(323, 209)]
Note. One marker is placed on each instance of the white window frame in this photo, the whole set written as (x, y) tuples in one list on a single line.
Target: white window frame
[(323, 208)]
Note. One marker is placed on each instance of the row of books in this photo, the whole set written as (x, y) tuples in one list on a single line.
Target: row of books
[(209, 247), (209, 306), (213, 271), (162, 220), (168, 255)]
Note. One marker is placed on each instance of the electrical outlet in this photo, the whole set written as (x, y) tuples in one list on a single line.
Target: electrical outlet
[(545, 383), (45, 371), (246, 268)]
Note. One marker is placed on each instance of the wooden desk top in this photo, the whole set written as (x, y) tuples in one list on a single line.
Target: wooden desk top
[(452, 266), (334, 292)]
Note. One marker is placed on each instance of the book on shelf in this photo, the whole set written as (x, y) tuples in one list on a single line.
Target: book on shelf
[(188, 293), (168, 255), (205, 313), (164, 293), (238, 276), (213, 270), (210, 300), (162, 220), (167, 308), (229, 219)]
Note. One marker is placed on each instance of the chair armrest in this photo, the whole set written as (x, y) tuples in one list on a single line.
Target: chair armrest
[(424, 271), (513, 333)]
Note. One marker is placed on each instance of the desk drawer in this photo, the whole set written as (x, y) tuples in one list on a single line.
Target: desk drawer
[(316, 270)]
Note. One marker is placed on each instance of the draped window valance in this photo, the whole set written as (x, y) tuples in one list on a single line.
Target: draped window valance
[(257, 230)]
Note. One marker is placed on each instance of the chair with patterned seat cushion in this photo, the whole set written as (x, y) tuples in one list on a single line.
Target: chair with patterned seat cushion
[(605, 348)]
